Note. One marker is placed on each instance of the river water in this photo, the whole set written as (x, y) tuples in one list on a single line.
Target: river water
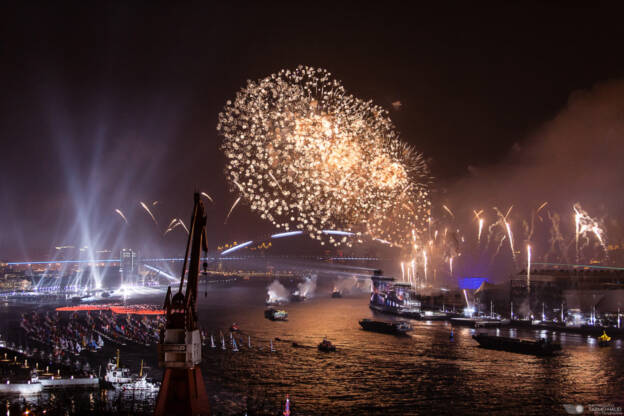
[(378, 374)]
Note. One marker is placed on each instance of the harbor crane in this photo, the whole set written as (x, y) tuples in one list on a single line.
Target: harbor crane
[(182, 391)]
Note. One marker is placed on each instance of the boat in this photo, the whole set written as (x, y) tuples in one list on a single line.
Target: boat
[(274, 302), (395, 298), (437, 316), (234, 346), (326, 346), (336, 294), (276, 315), (297, 297), (140, 383), (477, 322), (116, 375), (121, 379), (395, 328), (604, 340), (234, 328), (523, 346)]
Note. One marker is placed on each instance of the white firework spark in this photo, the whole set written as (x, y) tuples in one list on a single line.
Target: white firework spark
[(118, 211), (308, 156), (148, 211)]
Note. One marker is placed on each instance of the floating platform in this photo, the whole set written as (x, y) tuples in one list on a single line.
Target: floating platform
[(84, 382), (20, 388)]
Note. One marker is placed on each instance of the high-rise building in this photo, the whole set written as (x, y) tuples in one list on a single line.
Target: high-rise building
[(127, 264)]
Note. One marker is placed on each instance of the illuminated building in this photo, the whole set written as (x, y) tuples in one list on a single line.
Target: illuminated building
[(127, 264)]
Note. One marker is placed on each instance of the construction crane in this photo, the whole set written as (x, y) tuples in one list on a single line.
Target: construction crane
[(182, 391)]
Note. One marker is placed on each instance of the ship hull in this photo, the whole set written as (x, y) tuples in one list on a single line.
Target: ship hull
[(540, 347), (382, 327), (396, 311)]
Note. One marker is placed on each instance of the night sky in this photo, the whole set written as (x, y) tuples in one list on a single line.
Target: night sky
[(103, 107)]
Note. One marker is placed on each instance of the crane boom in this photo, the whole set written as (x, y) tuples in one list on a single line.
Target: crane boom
[(179, 351)]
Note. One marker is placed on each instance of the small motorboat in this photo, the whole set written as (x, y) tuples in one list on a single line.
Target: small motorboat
[(234, 328), (336, 294), (276, 315), (326, 346), (604, 340)]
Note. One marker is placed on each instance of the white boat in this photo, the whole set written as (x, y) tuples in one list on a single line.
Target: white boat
[(117, 376), (140, 383)]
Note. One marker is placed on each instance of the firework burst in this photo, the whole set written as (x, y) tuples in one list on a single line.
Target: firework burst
[(308, 156)]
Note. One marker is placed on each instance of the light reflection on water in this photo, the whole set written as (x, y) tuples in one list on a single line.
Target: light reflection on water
[(424, 373)]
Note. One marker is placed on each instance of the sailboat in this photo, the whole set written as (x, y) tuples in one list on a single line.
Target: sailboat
[(234, 347), (222, 342), (212, 344), (248, 341)]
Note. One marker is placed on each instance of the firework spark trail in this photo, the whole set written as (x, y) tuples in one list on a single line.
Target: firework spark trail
[(511, 245), (425, 263), (149, 212), (172, 225), (529, 268), (477, 213), (448, 210), (118, 211), (466, 297), (204, 194), (480, 229), (533, 215), (184, 226), (232, 209), (504, 224), (508, 212), (292, 139), (585, 224), (500, 244)]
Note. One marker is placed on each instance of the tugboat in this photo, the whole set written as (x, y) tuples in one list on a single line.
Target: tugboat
[(117, 376), (121, 379), (336, 294), (326, 346), (604, 340), (521, 346), (395, 328), (140, 383), (276, 315)]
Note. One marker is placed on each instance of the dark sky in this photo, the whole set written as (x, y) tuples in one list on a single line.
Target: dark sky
[(106, 106)]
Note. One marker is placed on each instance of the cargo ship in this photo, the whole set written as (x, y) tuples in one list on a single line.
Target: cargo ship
[(395, 298), (395, 328), (521, 346)]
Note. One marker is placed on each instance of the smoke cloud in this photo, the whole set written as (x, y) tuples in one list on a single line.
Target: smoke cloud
[(277, 292), (574, 158)]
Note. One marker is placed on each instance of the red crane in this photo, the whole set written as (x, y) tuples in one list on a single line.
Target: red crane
[(182, 391)]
